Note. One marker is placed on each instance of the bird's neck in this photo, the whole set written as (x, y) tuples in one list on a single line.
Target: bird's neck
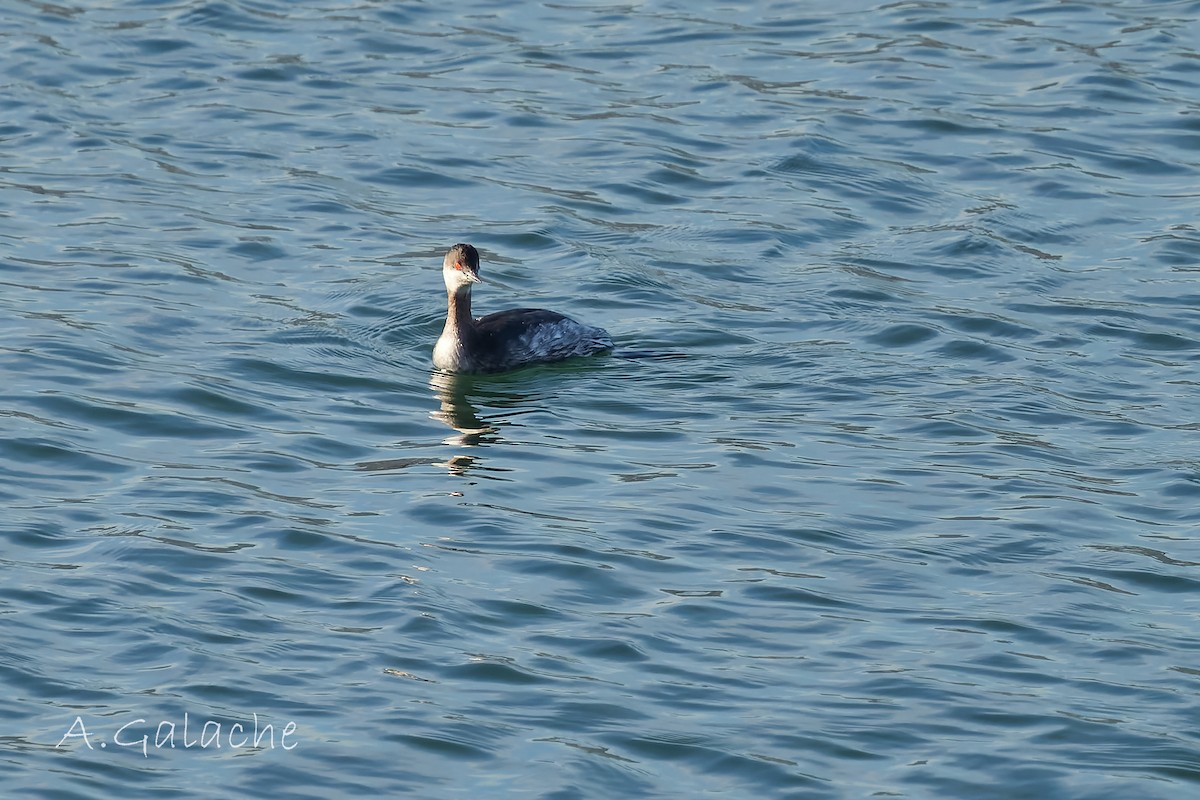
[(458, 316)]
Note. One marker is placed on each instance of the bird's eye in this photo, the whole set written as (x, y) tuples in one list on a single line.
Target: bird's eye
[(458, 266)]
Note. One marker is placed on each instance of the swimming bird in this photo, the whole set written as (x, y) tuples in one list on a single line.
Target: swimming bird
[(507, 339)]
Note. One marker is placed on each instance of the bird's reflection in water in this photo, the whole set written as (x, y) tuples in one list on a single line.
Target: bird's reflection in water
[(505, 396), (458, 465), (456, 409), (457, 395)]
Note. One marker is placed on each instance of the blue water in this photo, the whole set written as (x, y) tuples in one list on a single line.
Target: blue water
[(912, 512)]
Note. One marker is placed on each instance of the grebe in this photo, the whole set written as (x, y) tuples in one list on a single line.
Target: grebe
[(507, 339)]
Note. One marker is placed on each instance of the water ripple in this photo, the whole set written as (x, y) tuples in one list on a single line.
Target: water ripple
[(914, 478)]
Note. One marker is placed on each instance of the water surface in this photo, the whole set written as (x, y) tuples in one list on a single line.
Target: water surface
[(912, 515)]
